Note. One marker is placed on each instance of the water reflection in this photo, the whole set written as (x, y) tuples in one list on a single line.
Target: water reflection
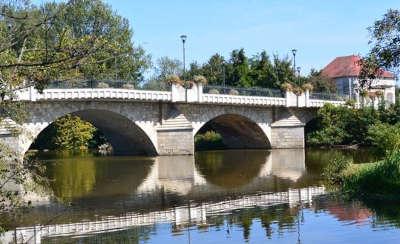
[(247, 195), (88, 178)]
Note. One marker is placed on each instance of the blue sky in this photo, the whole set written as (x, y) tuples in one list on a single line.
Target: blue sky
[(319, 29)]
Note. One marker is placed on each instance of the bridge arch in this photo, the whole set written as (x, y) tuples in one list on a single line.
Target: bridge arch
[(128, 132), (237, 131)]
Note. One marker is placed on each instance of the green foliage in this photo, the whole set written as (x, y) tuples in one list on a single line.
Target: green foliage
[(385, 51), (260, 71), (342, 125), (333, 172), (61, 41), (377, 179), (72, 133), (69, 133), (385, 137), (164, 70), (208, 140), (320, 82)]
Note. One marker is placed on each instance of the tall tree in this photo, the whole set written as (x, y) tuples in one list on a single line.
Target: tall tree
[(73, 40), (262, 70), (239, 69), (385, 51), (164, 67)]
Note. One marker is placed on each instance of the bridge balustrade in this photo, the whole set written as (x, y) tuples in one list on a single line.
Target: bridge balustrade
[(253, 91)]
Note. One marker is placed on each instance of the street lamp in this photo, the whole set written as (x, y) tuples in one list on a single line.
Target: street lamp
[(294, 51), (298, 70), (298, 74), (183, 38)]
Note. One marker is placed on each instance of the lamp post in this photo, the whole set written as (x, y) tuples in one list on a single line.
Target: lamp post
[(294, 51), (183, 38), (298, 74)]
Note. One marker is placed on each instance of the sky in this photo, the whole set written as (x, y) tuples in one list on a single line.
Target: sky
[(319, 29)]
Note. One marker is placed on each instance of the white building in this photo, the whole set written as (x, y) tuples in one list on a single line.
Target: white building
[(345, 70)]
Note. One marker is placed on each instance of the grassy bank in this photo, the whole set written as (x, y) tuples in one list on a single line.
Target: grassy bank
[(380, 180)]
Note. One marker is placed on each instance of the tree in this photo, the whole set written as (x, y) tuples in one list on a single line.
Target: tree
[(320, 82), (262, 70), (69, 41), (164, 68), (239, 70), (215, 70), (385, 51)]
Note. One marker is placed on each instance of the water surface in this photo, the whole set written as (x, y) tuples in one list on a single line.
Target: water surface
[(231, 196)]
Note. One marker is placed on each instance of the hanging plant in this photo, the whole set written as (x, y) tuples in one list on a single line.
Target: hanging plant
[(213, 91), (286, 86), (103, 85), (297, 90), (173, 79), (199, 79), (233, 92), (307, 87)]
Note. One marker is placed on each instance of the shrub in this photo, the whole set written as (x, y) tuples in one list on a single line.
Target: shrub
[(385, 137), (128, 86), (233, 92), (333, 172), (377, 179), (213, 91), (102, 85), (209, 140), (342, 125), (72, 133)]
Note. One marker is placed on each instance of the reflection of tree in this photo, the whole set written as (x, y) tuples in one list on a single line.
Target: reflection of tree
[(385, 212), (280, 217), (89, 176), (73, 178), (230, 169)]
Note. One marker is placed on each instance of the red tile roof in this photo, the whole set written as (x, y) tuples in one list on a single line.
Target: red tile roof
[(347, 66)]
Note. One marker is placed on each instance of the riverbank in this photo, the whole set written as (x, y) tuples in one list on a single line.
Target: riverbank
[(379, 180)]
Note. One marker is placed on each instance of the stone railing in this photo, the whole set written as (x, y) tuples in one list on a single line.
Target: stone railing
[(195, 94), (30, 94)]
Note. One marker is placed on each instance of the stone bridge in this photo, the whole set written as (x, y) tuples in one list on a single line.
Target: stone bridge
[(165, 122)]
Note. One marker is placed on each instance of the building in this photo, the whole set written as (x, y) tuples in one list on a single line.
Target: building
[(345, 70)]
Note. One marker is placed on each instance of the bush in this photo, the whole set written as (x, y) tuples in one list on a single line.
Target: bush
[(233, 92), (377, 179), (342, 126), (209, 140), (102, 85), (333, 172), (385, 137), (213, 91), (128, 86)]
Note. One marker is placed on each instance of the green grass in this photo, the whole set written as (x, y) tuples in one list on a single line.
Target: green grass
[(373, 180)]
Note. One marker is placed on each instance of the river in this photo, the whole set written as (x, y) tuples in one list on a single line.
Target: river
[(232, 196)]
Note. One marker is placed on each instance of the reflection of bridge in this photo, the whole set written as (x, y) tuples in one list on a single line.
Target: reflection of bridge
[(179, 174), (191, 213), (165, 122)]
